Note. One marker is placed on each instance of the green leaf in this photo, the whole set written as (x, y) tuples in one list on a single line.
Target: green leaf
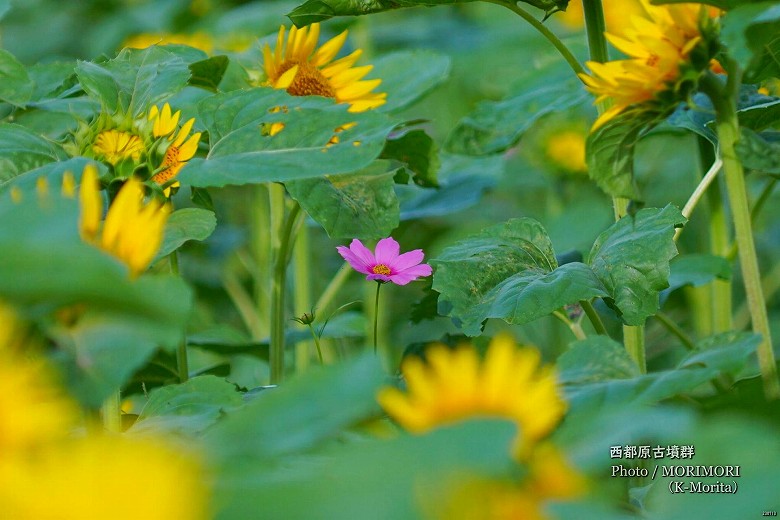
[(53, 118), (597, 358), (419, 152), (470, 275), (728, 352), (305, 411), (243, 151), (52, 79), (22, 150), (697, 270), (757, 153), (751, 34), (320, 10), (631, 259), (495, 126), (53, 172), (462, 181), (404, 477), (186, 224), (408, 75), (357, 205), (208, 73), (187, 408), (16, 86), (610, 152), (137, 79)]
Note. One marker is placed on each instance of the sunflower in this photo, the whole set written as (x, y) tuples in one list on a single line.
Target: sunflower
[(115, 146), (659, 47), (295, 66), (181, 147), (455, 385)]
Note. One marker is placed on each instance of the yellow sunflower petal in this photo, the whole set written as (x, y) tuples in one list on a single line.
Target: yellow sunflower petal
[(329, 50)]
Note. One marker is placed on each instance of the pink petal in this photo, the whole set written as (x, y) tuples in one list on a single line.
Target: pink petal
[(387, 251), (353, 260), (362, 252), (411, 274), (381, 277), (407, 260)]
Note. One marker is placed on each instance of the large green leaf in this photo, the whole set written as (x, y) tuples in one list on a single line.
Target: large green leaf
[(495, 126), (597, 358), (419, 152), (53, 118), (405, 477), (631, 259), (137, 79), (184, 225), (462, 181), (319, 10), (302, 413), (356, 205), (468, 273), (697, 270), (16, 86), (22, 150), (758, 153), (188, 408), (752, 36), (243, 151), (408, 75), (610, 152), (208, 73), (53, 172)]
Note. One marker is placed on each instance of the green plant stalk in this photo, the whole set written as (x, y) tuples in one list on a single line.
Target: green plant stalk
[(757, 207), (111, 412), (302, 294), (574, 326), (262, 218), (278, 283), (720, 313), (316, 343), (564, 51), (727, 127), (633, 336), (182, 363), (675, 329), (376, 312), (594, 318)]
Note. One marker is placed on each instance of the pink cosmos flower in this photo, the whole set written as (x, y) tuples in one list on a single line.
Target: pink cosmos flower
[(386, 265)]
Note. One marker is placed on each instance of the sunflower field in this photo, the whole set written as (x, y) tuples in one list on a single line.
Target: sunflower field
[(389, 259)]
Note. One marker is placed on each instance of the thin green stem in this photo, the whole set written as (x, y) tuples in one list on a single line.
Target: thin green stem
[(724, 99), (316, 343), (111, 412), (334, 286), (594, 318), (634, 340), (675, 329), (698, 193), (262, 219), (376, 312), (757, 207), (302, 294), (182, 363), (564, 51), (278, 283), (573, 326)]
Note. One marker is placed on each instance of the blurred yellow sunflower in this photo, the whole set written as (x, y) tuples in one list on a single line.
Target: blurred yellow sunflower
[(198, 40), (658, 45), (133, 229), (114, 146), (455, 385), (296, 67)]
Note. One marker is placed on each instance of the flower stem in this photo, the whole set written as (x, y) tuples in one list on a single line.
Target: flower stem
[(302, 295), (594, 318), (316, 343), (182, 364), (376, 312), (278, 281), (634, 340), (547, 33), (698, 193), (574, 326), (112, 413), (675, 329), (727, 126)]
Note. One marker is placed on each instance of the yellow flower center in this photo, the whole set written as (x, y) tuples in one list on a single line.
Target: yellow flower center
[(309, 81), (116, 146), (381, 269)]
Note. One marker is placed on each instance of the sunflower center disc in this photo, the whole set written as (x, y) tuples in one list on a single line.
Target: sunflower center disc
[(309, 81)]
